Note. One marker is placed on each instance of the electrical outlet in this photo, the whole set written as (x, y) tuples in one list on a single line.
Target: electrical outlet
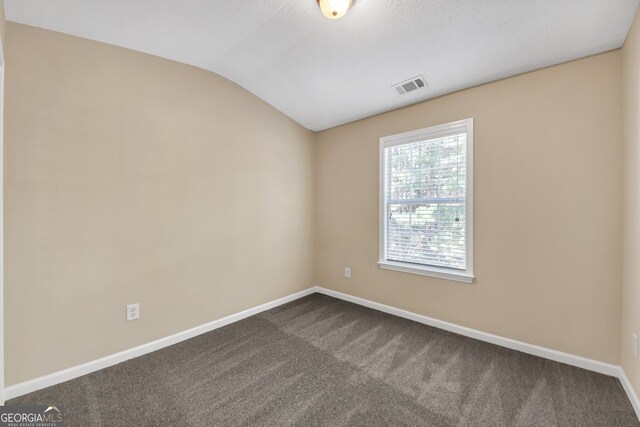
[(133, 311), (634, 344), (347, 272)]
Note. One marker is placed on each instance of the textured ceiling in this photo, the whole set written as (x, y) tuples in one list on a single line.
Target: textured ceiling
[(324, 73)]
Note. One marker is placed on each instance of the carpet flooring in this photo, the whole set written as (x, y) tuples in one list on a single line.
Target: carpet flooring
[(323, 361)]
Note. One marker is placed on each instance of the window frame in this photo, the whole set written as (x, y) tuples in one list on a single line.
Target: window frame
[(465, 276)]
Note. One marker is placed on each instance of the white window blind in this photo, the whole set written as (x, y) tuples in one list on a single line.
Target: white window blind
[(425, 197)]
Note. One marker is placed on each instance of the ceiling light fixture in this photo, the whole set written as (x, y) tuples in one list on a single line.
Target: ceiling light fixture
[(334, 9)]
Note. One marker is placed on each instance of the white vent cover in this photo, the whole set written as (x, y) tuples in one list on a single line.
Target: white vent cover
[(415, 83)]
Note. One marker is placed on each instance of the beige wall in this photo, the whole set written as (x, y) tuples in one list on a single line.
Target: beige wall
[(130, 178), (631, 211), (548, 203), (2, 23)]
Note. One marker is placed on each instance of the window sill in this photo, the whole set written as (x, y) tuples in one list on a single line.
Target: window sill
[(440, 273)]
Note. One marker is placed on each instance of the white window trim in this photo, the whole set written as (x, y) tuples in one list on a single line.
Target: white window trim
[(465, 276)]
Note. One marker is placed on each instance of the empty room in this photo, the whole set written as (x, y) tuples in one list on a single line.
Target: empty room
[(319, 212)]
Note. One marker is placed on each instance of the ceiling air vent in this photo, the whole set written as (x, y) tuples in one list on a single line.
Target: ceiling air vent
[(410, 85)]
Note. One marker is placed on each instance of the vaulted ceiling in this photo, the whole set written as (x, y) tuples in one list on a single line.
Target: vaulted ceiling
[(324, 73)]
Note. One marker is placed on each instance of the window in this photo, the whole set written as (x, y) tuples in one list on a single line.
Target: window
[(426, 201)]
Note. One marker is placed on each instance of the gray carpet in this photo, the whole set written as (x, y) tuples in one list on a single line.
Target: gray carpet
[(322, 361)]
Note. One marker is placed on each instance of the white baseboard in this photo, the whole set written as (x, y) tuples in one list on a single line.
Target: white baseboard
[(633, 397), (104, 362), (558, 356), (547, 353)]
